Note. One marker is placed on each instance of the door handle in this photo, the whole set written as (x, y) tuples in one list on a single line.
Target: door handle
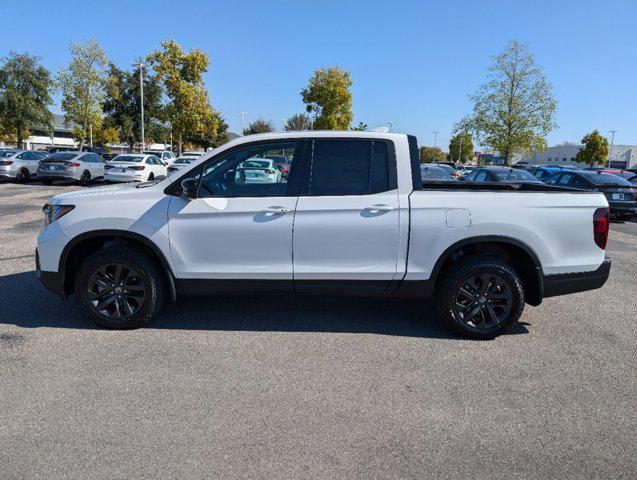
[(276, 210), (379, 208)]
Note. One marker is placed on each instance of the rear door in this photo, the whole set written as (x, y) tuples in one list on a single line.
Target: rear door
[(346, 223)]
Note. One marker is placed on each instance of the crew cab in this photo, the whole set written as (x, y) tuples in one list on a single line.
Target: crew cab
[(354, 217)]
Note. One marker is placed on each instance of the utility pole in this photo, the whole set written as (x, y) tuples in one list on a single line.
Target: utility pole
[(435, 141), (90, 129), (141, 66), (243, 122), (612, 140)]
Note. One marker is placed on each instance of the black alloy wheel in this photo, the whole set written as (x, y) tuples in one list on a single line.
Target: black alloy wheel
[(23, 175), (85, 178), (483, 301), (116, 291)]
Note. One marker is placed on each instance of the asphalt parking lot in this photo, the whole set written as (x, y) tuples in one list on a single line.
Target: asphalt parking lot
[(256, 387)]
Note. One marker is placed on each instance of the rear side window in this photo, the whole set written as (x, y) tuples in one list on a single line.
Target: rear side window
[(350, 167)]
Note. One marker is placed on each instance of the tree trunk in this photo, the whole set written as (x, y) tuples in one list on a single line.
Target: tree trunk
[(19, 138)]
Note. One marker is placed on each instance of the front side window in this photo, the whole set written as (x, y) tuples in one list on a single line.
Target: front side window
[(350, 167), (481, 176), (249, 172)]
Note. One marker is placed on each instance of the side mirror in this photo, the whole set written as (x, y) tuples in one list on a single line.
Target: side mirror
[(189, 188)]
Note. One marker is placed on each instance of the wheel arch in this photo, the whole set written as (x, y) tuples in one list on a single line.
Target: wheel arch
[(83, 245), (521, 256)]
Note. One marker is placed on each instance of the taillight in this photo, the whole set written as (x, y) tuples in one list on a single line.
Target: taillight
[(71, 164), (138, 167), (6, 162), (268, 171), (601, 227)]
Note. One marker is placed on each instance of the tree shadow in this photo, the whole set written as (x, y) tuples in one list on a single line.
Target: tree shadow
[(28, 304)]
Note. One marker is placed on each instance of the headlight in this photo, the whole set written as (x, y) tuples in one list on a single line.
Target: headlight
[(55, 212)]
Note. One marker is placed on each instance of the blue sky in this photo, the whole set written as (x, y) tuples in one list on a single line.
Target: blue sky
[(412, 62)]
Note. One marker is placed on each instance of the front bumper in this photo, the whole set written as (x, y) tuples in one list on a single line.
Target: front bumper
[(53, 281), (565, 283)]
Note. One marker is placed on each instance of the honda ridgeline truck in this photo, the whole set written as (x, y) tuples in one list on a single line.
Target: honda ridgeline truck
[(353, 217)]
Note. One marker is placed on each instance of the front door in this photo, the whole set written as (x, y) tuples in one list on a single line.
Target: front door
[(237, 233), (346, 228)]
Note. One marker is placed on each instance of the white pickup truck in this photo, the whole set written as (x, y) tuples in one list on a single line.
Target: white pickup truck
[(353, 217)]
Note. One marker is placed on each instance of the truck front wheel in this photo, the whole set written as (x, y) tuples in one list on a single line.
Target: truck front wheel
[(120, 288), (481, 297)]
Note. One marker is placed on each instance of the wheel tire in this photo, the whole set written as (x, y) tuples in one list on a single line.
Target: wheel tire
[(448, 293), (151, 177), (46, 181), (141, 265), (23, 176), (85, 179)]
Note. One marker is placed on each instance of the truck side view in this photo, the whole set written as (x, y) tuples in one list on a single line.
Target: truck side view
[(352, 217)]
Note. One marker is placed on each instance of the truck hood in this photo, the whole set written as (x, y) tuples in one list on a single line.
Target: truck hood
[(106, 193)]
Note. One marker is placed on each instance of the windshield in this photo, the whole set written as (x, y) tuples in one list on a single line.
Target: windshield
[(433, 172), (607, 179), (61, 156), (128, 158), (514, 175), (255, 164), (7, 153)]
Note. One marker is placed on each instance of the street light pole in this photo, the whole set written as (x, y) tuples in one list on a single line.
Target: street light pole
[(141, 66), (612, 140), (243, 122), (435, 142)]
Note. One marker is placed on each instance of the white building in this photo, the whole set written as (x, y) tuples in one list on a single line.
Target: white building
[(621, 156)]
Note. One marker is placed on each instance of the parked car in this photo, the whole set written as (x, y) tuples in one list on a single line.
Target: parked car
[(448, 167), (633, 179), (354, 219), (192, 154), (620, 193), (258, 170), (180, 163), (433, 173), (19, 165), (620, 173), (80, 166), (165, 156), (135, 168), (544, 173), (501, 174), (464, 170)]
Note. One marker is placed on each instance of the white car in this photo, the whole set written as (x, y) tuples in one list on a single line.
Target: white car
[(165, 156), (80, 166), (258, 170), (135, 168), (19, 165), (353, 218)]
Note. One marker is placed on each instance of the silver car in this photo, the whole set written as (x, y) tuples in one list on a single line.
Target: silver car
[(80, 166), (180, 163), (19, 165)]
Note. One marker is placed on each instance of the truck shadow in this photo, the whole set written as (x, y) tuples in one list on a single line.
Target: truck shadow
[(27, 304)]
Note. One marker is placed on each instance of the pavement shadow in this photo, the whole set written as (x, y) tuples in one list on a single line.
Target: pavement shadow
[(28, 304)]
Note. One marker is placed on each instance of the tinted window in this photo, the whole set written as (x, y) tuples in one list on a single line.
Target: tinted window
[(514, 175), (481, 176), (61, 156), (349, 167), (607, 179)]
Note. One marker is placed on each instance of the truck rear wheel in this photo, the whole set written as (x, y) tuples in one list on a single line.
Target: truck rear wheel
[(480, 298), (120, 288)]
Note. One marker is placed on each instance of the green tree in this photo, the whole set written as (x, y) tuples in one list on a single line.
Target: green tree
[(259, 126), (595, 149), (122, 105), (82, 85), (361, 127), (211, 136), (329, 98), (297, 123), (432, 154), (515, 109), (461, 147), (25, 96), (188, 111)]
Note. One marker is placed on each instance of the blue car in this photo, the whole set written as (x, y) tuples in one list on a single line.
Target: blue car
[(544, 173)]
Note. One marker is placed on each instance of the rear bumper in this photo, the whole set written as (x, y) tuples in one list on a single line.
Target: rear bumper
[(565, 283)]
